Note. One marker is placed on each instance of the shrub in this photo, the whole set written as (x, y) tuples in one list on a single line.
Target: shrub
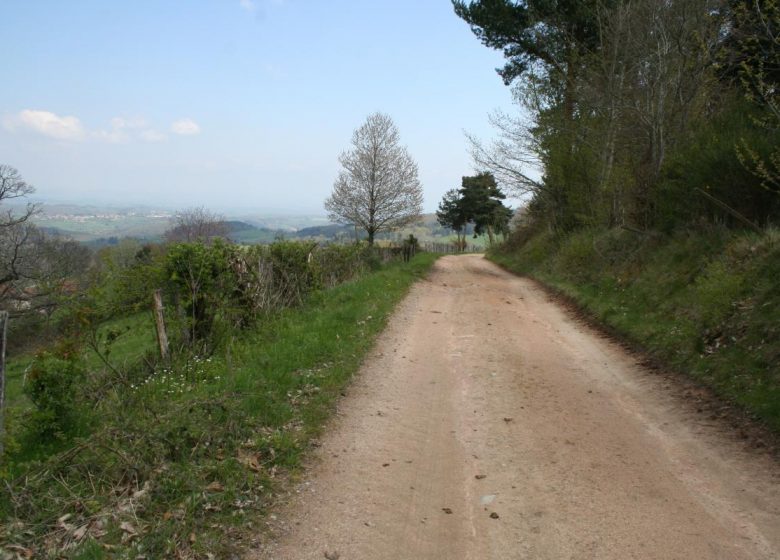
[(294, 268), (340, 263), (50, 384), (219, 287), (200, 281)]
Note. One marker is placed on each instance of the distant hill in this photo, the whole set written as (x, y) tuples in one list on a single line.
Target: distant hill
[(98, 226), (241, 232), (235, 226), (285, 223), (330, 231), (426, 230)]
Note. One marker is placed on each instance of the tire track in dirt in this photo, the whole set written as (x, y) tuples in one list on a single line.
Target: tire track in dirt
[(580, 452)]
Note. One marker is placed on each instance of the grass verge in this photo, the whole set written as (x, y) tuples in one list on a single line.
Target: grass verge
[(136, 339), (180, 462), (705, 303)]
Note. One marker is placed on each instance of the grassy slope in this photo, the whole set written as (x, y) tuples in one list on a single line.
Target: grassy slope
[(200, 445), (137, 338), (703, 303)]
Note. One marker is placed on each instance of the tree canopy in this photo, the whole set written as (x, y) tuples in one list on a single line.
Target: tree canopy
[(196, 224), (377, 188), (34, 266), (632, 110), (452, 215), (478, 201)]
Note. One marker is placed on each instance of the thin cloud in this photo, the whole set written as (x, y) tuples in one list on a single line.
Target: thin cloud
[(120, 130), (132, 123), (48, 124), (112, 136), (151, 135), (185, 127), (124, 129), (248, 5)]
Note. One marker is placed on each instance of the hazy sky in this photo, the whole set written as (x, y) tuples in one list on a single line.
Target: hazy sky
[(233, 104)]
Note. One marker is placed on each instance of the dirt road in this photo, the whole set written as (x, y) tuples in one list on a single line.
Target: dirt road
[(490, 424)]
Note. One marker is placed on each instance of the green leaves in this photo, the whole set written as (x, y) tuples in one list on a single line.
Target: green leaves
[(478, 201), (51, 386)]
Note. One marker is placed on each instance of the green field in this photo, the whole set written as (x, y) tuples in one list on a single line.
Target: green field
[(91, 229)]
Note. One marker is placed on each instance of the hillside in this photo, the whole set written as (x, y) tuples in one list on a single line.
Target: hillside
[(704, 303)]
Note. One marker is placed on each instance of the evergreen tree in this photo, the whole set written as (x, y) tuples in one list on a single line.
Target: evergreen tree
[(451, 214)]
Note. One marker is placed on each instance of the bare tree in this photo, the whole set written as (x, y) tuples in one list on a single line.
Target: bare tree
[(377, 189), (12, 186), (15, 238), (196, 224), (34, 267), (513, 157)]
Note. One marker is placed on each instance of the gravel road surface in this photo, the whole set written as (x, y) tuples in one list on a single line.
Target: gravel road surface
[(490, 423)]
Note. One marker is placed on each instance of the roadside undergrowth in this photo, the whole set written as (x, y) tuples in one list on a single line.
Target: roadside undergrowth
[(181, 461), (706, 303)]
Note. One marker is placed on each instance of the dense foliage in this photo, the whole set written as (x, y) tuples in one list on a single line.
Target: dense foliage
[(477, 202), (645, 114)]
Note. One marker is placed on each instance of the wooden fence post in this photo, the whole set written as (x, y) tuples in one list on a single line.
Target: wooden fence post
[(3, 331), (159, 321)]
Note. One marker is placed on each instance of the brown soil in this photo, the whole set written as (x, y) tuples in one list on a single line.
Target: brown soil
[(489, 423)]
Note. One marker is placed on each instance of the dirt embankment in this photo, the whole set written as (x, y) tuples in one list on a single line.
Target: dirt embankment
[(489, 424)]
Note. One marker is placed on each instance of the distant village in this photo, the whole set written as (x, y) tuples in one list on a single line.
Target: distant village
[(112, 216)]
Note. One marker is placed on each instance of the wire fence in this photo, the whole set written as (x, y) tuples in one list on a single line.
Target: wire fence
[(450, 248)]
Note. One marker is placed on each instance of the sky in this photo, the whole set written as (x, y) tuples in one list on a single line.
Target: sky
[(235, 105)]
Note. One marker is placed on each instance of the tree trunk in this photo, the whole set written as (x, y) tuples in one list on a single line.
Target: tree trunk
[(370, 237), (3, 331), (570, 81), (162, 337)]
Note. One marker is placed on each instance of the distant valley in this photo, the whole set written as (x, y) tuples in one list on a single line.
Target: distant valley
[(98, 226)]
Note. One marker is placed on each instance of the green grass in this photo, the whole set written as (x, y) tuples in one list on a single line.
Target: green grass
[(136, 338), (124, 226), (705, 303), (14, 380), (199, 445)]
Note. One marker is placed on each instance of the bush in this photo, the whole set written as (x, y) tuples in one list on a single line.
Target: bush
[(219, 287), (340, 263), (202, 284), (123, 277), (51, 384), (295, 272), (196, 445)]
